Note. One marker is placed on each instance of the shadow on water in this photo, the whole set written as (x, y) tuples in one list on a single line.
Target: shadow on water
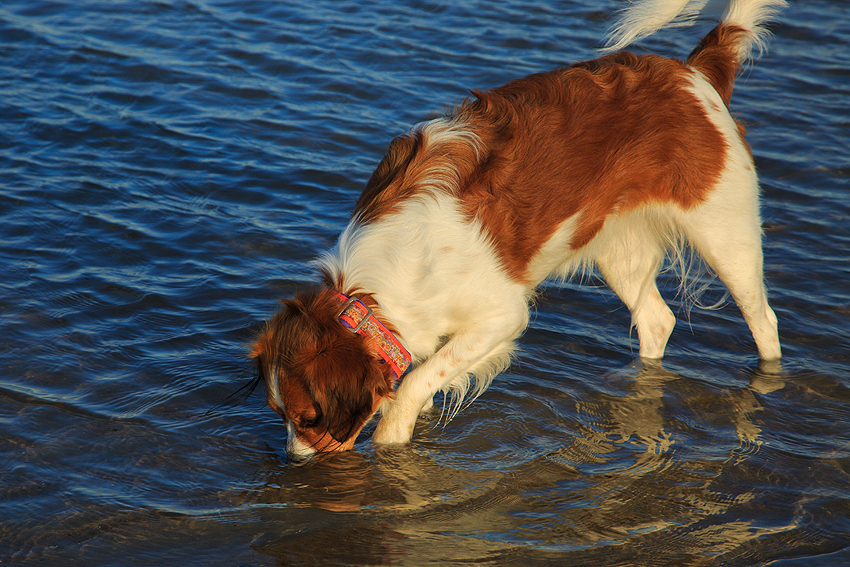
[(634, 484)]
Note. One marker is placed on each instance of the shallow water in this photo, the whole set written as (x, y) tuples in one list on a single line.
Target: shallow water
[(167, 170)]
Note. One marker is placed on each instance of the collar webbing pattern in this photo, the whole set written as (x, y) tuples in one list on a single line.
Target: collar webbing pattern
[(358, 317)]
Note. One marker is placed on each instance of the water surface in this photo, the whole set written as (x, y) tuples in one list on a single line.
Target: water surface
[(168, 170)]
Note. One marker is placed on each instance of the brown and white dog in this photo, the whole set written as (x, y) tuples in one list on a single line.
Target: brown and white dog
[(609, 163)]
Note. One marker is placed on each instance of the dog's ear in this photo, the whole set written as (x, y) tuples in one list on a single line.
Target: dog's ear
[(343, 378)]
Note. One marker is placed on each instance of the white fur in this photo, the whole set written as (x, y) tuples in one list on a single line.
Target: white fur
[(294, 445), (455, 309), (642, 19), (273, 390), (750, 15)]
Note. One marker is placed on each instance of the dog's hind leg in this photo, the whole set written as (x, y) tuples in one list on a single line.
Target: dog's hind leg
[(726, 228), (629, 257), (730, 242)]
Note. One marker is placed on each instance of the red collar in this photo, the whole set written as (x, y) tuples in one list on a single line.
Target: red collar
[(358, 317)]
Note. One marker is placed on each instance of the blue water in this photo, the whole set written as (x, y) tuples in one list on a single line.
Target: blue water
[(168, 170)]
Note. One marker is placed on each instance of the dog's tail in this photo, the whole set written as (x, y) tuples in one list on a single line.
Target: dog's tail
[(722, 52)]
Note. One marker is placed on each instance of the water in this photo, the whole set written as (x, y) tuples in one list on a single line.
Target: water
[(167, 170)]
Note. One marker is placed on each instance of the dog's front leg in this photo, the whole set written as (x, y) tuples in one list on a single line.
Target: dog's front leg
[(470, 353)]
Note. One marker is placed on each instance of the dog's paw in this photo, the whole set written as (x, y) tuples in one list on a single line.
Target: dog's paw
[(392, 432)]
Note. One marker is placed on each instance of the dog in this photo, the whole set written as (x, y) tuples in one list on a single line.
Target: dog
[(610, 163)]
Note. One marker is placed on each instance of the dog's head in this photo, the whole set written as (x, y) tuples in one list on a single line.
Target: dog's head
[(325, 381)]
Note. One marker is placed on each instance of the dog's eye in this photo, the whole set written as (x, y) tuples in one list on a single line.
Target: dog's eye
[(310, 423)]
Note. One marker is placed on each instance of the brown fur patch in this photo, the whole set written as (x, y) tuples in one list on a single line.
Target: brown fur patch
[(598, 138), (413, 163), (714, 56)]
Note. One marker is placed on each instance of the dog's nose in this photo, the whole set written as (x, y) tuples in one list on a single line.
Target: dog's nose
[(297, 458), (298, 453), (297, 450)]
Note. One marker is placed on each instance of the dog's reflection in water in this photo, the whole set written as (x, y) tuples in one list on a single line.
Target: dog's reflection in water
[(393, 478), (640, 418), (630, 467), (638, 421)]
